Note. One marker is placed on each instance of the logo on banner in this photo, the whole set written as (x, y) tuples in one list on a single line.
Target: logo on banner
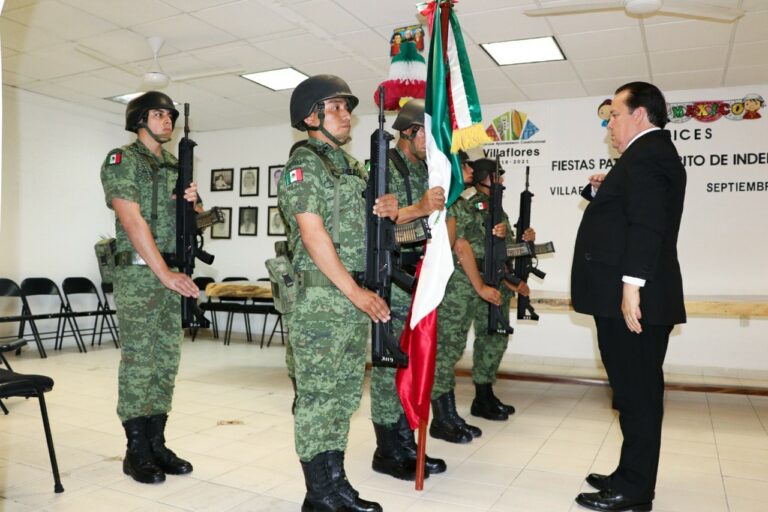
[(511, 126), (709, 111)]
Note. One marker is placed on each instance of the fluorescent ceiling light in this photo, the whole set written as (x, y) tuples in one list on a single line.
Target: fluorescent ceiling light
[(524, 51), (125, 98), (277, 79)]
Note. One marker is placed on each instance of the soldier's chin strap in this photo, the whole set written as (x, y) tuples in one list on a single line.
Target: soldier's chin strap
[(321, 128), (158, 138), (411, 137)]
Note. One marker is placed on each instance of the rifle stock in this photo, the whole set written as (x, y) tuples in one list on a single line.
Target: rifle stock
[(381, 247), (494, 265), (189, 243)]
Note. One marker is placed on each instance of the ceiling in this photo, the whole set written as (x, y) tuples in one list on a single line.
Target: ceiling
[(46, 46)]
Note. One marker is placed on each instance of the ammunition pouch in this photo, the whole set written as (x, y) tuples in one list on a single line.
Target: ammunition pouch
[(285, 283), (105, 256)]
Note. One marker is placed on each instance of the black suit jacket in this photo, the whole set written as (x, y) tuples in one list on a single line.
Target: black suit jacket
[(630, 228)]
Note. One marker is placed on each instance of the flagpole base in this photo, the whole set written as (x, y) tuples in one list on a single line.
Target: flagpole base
[(421, 455)]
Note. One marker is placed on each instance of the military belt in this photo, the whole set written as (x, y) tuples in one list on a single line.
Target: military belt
[(315, 278), (128, 258)]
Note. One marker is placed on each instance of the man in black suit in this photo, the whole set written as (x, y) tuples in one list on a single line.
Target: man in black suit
[(626, 274)]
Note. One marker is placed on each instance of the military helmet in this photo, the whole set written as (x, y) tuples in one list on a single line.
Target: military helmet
[(140, 105), (312, 91), (482, 167), (463, 157), (412, 113)]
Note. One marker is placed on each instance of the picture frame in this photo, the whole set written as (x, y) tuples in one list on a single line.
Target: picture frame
[(222, 180), (223, 230), (275, 226), (275, 173), (248, 221), (249, 181)]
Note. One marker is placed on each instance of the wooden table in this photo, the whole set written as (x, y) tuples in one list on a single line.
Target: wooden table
[(697, 305)]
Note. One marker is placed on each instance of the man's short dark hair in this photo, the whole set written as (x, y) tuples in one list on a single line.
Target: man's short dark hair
[(643, 94)]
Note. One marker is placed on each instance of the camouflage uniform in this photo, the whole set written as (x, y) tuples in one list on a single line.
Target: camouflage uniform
[(327, 332), (385, 401), (462, 305), (148, 312)]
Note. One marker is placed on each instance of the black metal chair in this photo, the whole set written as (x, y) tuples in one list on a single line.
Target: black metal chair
[(14, 384), (107, 290), (44, 287), (11, 290), (231, 314), (202, 282), (84, 286), (9, 346), (267, 307)]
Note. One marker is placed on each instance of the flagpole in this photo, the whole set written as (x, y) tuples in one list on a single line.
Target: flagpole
[(421, 454)]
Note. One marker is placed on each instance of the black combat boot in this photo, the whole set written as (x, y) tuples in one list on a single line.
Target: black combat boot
[(484, 405), (475, 431), (164, 458), (321, 495), (390, 456), (443, 426), (350, 497), (295, 396), (406, 440), (139, 463)]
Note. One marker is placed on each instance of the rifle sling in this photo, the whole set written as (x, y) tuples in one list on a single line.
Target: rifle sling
[(402, 168), (155, 177)]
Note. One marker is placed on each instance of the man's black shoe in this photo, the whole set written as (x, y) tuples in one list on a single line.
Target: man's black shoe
[(599, 482), (613, 502)]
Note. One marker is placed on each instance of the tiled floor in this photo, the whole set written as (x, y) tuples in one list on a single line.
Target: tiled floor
[(232, 420)]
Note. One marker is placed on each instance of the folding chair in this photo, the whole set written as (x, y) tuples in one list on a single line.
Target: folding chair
[(106, 289), (84, 286), (10, 289), (42, 286), (9, 346), (201, 283), (14, 384), (231, 314)]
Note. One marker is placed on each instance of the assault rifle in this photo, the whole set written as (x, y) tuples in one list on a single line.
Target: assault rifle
[(495, 263), (189, 242), (381, 247), (526, 253)]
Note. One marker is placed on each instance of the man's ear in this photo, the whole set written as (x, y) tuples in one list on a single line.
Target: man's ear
[(640, 114), (312, 120)]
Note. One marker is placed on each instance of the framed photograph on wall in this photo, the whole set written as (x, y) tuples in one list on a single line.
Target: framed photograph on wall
[(275, 173), (222, 179), (248, 216), (249, 181), (275, 226), (223, 229)]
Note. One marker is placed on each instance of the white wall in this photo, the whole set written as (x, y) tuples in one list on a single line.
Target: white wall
[(53, 211)]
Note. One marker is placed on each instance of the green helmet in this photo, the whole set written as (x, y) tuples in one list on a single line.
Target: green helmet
[(411, 114), (482, 167), (312, 91), (139, 106)]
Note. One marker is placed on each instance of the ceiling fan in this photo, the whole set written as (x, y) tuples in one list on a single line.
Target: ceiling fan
[(645, 8), (154, 78)]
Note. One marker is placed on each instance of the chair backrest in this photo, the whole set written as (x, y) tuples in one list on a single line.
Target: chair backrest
[(106, 288), (75, 285), (226, 279), (39, 286), (203, 281), (9, 288)]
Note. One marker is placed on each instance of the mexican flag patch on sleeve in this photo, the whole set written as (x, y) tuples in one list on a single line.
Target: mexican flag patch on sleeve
[(115, 158), (294, 176)]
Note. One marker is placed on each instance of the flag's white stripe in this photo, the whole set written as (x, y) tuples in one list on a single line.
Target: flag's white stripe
[(458, 94), (438, 262)]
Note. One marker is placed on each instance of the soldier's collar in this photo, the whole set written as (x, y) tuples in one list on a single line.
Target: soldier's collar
[(321, 146)]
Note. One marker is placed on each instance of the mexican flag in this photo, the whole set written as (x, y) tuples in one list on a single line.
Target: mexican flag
[(452, 122)]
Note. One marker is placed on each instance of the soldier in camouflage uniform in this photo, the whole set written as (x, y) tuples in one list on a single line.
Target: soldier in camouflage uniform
[(321, 198), (465, 301), (395, 453), (139, 181)]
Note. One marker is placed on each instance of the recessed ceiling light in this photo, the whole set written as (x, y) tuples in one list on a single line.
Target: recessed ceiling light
[(524, 51), (277, 79)]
